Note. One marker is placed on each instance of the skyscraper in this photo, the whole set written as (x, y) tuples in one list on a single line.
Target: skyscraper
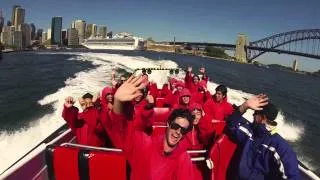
[(103, 31), (73, 38), (19, 17), (44, 37), (88, 31), (33, 31), (94, 30), (56, 28), (39, 34), (13, 17), (80, 25), (26, 34), (64, 37), (49, 34), (1, 21)]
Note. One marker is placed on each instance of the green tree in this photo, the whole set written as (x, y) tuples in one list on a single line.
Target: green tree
[(215, 52)]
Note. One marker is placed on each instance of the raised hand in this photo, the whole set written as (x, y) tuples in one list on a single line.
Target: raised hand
[(69, 101), (129, 89), (256, 102)]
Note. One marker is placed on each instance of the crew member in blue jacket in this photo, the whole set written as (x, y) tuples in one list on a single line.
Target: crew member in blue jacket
[(265, 154)]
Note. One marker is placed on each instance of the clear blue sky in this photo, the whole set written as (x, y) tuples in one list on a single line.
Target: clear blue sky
[(188, 20)]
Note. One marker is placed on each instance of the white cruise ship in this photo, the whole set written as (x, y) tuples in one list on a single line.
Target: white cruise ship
[(121, 41)]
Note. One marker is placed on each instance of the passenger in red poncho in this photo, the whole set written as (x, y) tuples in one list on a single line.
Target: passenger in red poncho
[(184, 100), (153, 158), (172, 98), (86, 125), (217, 108), (192, 80), (202, 95)]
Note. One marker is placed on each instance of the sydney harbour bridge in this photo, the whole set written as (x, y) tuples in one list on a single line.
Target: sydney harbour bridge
[(305, 42)]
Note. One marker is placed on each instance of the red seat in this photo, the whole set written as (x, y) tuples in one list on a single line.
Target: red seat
[(62, 163), (160, 116), (158, 130), (221, 154), (106, 165), (159, 102)]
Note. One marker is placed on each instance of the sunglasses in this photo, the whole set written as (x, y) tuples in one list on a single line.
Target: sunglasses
[(176, 126)]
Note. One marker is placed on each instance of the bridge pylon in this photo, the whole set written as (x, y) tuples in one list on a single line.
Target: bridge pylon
[(241, 51)]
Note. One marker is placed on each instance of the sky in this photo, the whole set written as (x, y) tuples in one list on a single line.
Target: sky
[(216, 21)]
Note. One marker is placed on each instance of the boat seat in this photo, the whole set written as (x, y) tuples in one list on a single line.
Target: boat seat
[(158, 130), (62, 163), (104, 165), (220, 155), (160, 116), (160, 102)]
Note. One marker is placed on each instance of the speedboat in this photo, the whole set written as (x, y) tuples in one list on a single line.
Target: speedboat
[(59, 157)]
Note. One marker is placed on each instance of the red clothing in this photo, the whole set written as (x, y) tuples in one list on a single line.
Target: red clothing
[(86, 125), (191, 85), (147, 158), (218, 110), (200, 98)]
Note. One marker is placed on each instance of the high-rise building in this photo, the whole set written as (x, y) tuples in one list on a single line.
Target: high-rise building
[(88, 30), (49, 34), (33, 31), (26, 34), (80, 25), (56, 28), (19, 17), (102, 31), (1, 21), (13, 16), (94, 30), (6, 38), (44, 37), (73, 38), (64, 37), (39, 34), (17, 40)]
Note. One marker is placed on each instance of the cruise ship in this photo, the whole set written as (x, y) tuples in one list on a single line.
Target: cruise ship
[(121, 41)]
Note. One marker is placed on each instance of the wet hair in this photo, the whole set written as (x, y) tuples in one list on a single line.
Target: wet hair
[(87, 95), (182, 113), (222, 89), (269, 110)]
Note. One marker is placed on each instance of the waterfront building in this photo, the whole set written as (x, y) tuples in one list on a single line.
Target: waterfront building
[(39, 34), (240, 53), (56, 28), (102, 31), (49, 34), (94, 30), (17, 40), (89, 31), (64, 35), (13, 16), (33, 31), (19, 17), (26, 34), (44, 37), (1, 21), (80, 25), (73, 38), (6, 38)]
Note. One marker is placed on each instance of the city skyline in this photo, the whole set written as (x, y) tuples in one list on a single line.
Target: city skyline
[(202, 21)]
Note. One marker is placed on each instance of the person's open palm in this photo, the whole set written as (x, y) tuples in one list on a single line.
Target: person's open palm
[(256, 102), (129, 89)]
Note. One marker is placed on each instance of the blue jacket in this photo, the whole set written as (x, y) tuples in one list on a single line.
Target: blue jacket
[(264, 156)]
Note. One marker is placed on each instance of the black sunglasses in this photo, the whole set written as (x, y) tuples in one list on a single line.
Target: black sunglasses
[(176, 126)]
